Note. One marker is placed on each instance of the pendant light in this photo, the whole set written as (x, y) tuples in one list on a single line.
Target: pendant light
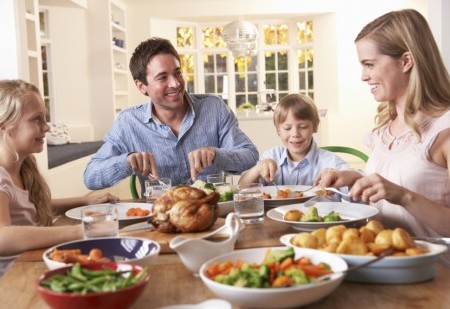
[(241, 38)]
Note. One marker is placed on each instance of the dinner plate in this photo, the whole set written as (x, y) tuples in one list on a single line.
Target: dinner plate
[(122, 208), (208, 304), (390, 270), (274, 201), (351, 213)]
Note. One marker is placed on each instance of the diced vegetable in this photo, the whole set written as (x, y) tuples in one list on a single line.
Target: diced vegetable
[(279, 269)]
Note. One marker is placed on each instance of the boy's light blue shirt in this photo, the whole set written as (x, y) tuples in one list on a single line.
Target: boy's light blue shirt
[(306, 170)]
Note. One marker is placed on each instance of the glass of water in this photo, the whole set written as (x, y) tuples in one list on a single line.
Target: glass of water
[(156, 187), (100, 221), (249, 203)]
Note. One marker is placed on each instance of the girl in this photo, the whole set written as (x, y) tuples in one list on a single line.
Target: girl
[(409, 178), (298, 160), (26, 208)]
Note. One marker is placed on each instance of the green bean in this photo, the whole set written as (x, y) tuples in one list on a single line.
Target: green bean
[(82, 280)]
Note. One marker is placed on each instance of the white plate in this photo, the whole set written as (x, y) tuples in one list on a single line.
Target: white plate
[(391, 269), (352, 214), (122, 208), (274, 201), (208, 304), (284, 297)]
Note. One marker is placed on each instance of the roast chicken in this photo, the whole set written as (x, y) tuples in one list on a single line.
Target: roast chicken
[(184, 209)]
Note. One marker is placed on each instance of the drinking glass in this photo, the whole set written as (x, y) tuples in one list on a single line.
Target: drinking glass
[(100, 221), (249, 203), (156, 187), (220, 179)]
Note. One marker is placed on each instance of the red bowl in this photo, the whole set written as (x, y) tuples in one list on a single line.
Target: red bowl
[(122, 298)]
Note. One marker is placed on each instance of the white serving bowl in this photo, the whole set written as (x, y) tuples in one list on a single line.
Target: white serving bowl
[(391, 269), (133, 250), (286, 297)]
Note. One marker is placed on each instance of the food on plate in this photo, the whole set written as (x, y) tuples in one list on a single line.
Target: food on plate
[(185, 209), (311, 216), (362, 241), (76, 256), (288, 193), (226, 192), (278, 269), (305, 240), (266, 196), (293, 215), (137, 212), (83, 280)]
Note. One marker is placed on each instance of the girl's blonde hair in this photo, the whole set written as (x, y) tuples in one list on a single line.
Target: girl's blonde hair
[(301, 106), (429, 85), (13, 97)]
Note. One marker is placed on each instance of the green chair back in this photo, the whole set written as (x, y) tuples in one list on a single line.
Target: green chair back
[(134, 192), (348, 150)]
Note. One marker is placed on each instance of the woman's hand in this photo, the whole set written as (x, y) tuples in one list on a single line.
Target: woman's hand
[(101, 198), (373, 188), (331, 177)]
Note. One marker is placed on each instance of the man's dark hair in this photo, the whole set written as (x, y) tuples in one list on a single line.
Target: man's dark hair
[(145, 52)]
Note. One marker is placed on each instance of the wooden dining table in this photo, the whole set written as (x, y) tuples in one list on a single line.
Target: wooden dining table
[(172, 283)]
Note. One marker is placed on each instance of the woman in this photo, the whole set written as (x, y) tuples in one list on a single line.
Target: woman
[(409, 180)]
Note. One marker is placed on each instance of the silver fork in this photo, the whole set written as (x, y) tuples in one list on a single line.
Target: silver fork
[(275, 185), (336, 191), (302, 191)]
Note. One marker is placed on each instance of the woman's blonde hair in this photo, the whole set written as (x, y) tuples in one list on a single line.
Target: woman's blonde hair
[(301, 106), (403, 31), (13, 97)]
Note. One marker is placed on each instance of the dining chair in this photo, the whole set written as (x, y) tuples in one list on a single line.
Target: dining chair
[(347, 150)]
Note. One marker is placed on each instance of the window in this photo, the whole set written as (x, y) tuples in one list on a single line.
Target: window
[(285, 52), (46, 63), (305, 57)]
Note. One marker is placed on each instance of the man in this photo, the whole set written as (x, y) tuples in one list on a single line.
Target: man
[(176, 135)]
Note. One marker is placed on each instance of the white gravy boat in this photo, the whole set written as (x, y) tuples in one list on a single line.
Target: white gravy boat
[(193, 252)]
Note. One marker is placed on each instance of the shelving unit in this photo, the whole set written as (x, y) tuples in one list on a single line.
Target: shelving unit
[(108, 37), (32, 69)]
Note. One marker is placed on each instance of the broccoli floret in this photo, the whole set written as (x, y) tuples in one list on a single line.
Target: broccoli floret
[(226, 193), (332, 216), (209, 186), (200, 184), (311, 216), (279, 255), (297, 275)]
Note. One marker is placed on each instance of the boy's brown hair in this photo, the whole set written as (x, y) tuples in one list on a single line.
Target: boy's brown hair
[(302, 107)]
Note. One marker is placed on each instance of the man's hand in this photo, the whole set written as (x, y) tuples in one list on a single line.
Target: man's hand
[(143, 163), (200, 159)]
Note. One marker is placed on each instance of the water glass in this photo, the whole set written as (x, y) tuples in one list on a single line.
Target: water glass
[(156, 187), (249, 203), (220, 179), (100, 221)]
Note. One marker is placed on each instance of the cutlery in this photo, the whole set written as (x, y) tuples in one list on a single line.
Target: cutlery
[(336, 191), (357, 266), (159, 181), (276, 187), (302, 191)]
